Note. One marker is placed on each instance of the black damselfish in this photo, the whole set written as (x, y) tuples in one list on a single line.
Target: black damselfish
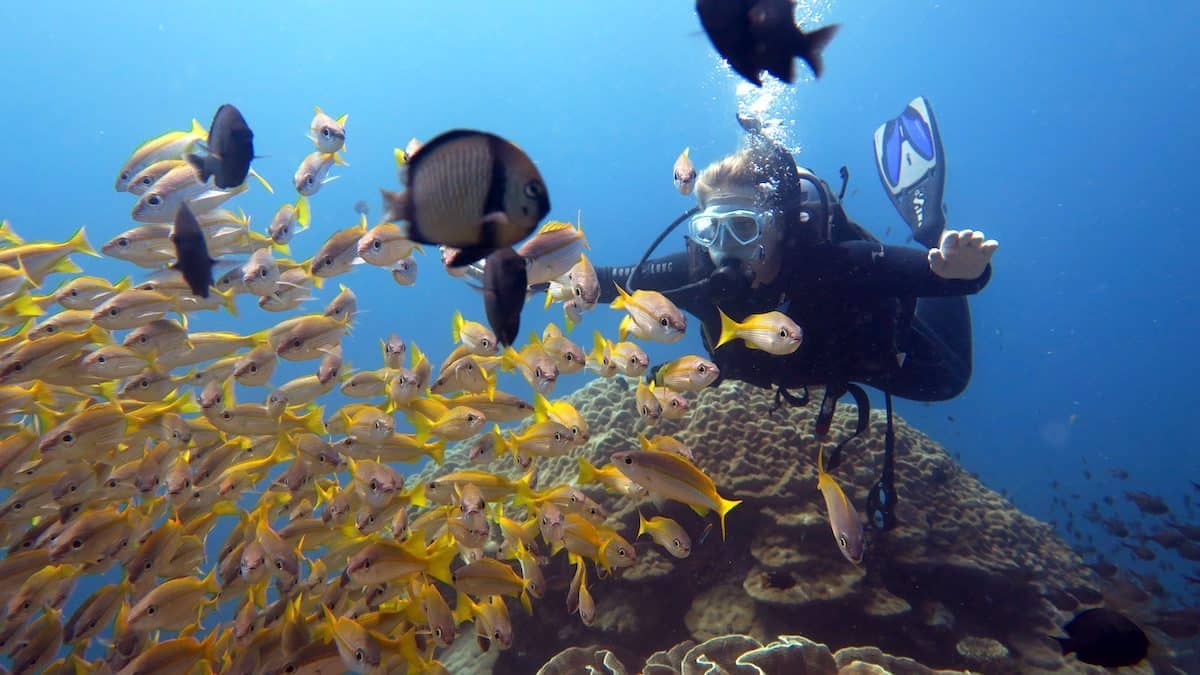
[(1106, 638), (758, 35), (191, 252), (230, 149), (504, 284)]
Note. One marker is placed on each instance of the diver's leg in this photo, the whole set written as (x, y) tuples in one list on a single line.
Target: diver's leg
[(937, 364)]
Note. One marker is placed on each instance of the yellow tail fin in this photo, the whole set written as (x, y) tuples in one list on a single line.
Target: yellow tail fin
[(728, 328)]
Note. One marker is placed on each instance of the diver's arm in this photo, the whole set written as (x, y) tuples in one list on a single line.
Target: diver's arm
[(900, 270), (658, 274)]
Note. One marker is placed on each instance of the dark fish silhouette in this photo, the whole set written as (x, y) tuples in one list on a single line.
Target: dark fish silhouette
[(504, 282), (1106, 638), (191, 252), (469, 190), (362, 208), (758, 35), (230, 149)]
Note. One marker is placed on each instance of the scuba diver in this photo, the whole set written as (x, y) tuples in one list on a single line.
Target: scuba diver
[(769, 235)]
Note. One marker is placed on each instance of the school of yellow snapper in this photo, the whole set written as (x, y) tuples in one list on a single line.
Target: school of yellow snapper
[(124, 446)]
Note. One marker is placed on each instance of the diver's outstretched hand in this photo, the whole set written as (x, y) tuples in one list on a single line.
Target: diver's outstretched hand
[(962, 254)]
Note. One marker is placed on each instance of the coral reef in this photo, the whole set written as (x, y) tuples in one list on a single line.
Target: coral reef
[(963, 561), (742, 655)]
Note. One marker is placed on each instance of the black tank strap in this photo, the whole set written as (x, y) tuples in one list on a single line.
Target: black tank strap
[(863, 404)]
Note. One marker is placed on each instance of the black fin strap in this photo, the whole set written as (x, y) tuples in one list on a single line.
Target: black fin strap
[(845, 174), (828, 406), (881, 502), (863, 403)]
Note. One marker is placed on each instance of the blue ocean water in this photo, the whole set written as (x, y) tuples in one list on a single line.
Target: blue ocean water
[(1068, 127)]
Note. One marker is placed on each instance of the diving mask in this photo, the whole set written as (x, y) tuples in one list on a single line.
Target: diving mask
[(744, 226)]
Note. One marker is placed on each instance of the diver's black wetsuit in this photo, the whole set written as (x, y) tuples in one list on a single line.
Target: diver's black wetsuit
[(854, 298)]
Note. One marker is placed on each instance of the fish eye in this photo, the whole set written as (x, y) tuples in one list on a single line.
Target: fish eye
[(77, 543), (151, 610), (148, 565), (533, 189), (376, 244), (142, 339), (663, 322), (569, 356), (437, 632), (328, 260), (782, 332), (308, 180), (154, 200), (374, 485), (68, 437), (147, 181), (358, 655), (701, 369), (325, 132), (101, 360), (124, 175), (144, 383), (74, 293), (496, 635), (122, 242), (226, 415), (297, 343), (263, 273), (676, 543), (629, 460), (578, 292), (842, 541), (253, 368), (113, 311), (621, 551)]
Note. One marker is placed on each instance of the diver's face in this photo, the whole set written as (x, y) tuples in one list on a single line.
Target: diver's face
[(746, 236)]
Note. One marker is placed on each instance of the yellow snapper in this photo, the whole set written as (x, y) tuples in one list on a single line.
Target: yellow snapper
[(666, 533), (843, 518), (684, 173), (670, 476), (648, 406), (385, 245), (478, 338), (488, 576), (338, 253), (651, 316), (146, 178), (687, 373), (552, 252), (327, 133), (404, 272), (674, 405), (84, 293), (169, 146), (566, 354), (666, 444), (288, 220), (772, 332), (313, 170)]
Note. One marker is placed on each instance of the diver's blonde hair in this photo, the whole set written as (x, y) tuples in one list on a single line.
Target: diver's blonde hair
[(738, 170)]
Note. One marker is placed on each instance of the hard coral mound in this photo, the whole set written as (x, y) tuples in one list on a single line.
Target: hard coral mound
[(963, 561)]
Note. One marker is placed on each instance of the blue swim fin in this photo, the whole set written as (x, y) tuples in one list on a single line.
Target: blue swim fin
[(912, 167)]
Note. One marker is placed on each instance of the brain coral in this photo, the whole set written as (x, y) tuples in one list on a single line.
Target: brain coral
[(962, 560)]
